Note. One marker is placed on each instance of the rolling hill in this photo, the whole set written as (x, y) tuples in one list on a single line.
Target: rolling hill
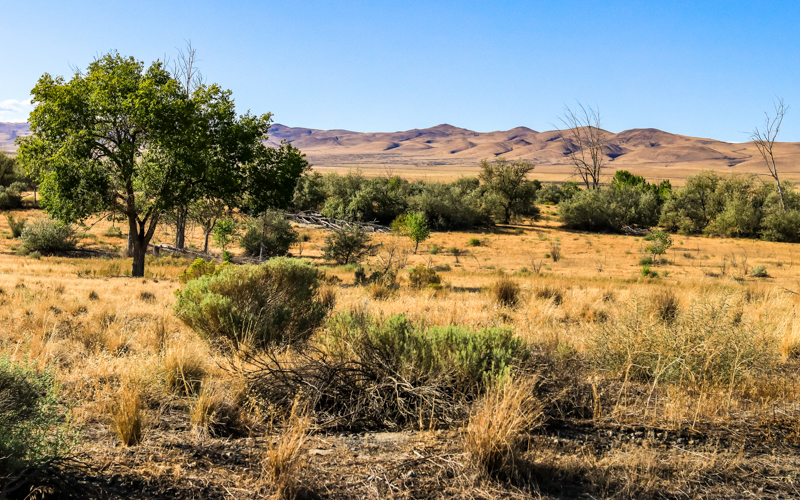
[(445, 151)]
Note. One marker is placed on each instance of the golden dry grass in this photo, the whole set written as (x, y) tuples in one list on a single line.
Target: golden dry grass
[(116, 345)]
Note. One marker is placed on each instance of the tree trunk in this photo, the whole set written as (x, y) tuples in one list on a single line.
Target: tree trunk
[(129, 248), (180, 228), (416, 245), (139, 254), (205, 246)]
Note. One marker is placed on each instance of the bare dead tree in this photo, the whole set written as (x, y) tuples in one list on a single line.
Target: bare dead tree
[(764, 140), (186, 72), (585, 140)]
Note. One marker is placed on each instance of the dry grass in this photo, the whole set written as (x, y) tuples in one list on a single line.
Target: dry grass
[(495, 434), (506, 291), (100, 331), (128, 413), (282, 464)]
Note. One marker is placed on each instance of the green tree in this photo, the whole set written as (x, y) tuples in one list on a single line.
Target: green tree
[(413, 225), (346, 245), (660, 243), (128, 139), (506, 180), (224, 232)]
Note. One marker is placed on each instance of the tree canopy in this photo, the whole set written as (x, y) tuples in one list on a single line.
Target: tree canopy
[(129, 139)]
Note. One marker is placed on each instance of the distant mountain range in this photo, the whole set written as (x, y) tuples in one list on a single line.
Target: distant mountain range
[(647, 150)]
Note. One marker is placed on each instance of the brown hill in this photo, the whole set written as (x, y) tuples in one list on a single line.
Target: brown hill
[(445, 151)]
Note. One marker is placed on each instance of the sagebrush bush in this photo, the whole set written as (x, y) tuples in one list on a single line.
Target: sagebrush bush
[(759, 271), (386, 373), (474, 242), (199, 268), (421, 276), (707, 343), (33, 428), (10, 197), (420, 353), (275, 302), (48, 236), (269, 235)]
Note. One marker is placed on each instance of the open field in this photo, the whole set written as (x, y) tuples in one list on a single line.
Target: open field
[(604, 432)]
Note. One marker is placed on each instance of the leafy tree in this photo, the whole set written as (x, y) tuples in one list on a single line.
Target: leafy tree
[(660, 243), (413, 225), (506, 180), (206, 212), (125, 139), (346, 245), (10, 171), (224, 231), (267, 236)]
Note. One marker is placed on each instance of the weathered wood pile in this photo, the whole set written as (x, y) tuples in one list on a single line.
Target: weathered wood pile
[(317, 219)]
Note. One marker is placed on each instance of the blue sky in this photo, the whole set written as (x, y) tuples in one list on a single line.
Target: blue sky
[(707, 68)]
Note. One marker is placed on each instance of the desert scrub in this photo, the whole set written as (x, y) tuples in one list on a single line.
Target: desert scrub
[(48, 236), (269, 235), (421, 277), (370, 373), (418, 353), (708, 343), (33, 430), (273, 303), (16, 225), (506, 291)]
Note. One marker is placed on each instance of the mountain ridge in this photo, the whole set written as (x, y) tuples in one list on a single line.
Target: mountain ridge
[(662, 154)]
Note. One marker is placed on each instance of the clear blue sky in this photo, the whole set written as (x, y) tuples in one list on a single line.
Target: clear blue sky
[(702, 68)]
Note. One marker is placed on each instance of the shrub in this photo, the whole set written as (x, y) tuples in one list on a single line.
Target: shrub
[(183, 369), (267, 236), (198, 269), (555, 251), (48, 236), (421, 277), (610, 209), (434, 249), (273, 303), (495, 435), (646, 261), (759, 271), (379, 374), (708, 343), (420, 353), (33, 429), (647, 272), (506, 291), (35, 255), (113, 232), (383, 277), (16, 225), (350, 244), (442, 268), (10, 197), (474, 242)]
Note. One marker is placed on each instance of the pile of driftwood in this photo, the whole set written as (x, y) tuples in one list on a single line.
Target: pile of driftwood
[(637, 231), (317, 219), (169, 248)]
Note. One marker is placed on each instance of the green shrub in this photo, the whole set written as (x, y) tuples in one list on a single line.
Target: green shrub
[(273, 303), (417, 353), (350, 244), (48, 236), (759, 271), (385, 278), (474, 242), (10, 197), (646, 261), (113, 232), (434, 249), (198, 269), (267, 236), (33, 429), (421, 277), (441, 268), (35, 255), (16, 225), (647, 272), (610, 209), (708, 343)]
